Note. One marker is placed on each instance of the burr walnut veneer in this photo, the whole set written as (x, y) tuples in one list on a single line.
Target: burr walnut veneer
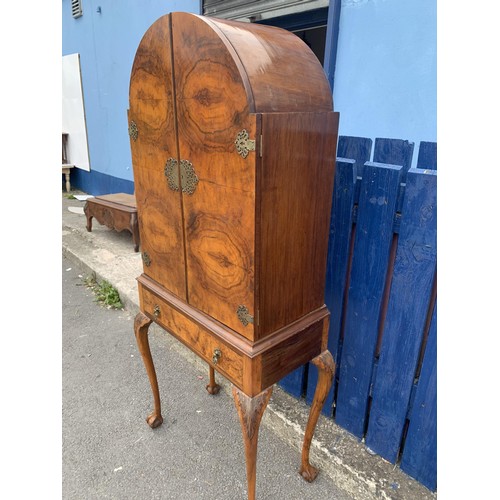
[(233, 140)]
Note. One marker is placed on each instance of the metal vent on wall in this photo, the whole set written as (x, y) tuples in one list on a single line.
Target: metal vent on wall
[(258, 10), (76, 8)]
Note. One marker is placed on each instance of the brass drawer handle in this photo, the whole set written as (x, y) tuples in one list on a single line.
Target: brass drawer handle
[(156, 310), (217, 355)]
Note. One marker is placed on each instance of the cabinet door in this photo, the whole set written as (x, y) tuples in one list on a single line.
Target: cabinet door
[(152, 114), (219, 214)]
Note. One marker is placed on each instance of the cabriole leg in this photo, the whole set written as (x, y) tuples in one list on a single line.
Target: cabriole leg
[(250, 411), (326, 368), (212, 387), (141, 327), (89, 216)]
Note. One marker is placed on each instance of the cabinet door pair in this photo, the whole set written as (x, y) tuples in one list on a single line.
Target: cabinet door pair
[(195, 193)]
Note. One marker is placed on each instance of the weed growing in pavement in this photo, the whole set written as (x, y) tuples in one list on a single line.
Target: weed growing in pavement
[(104, 291)]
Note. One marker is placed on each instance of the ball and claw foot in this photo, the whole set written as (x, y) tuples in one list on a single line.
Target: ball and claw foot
[(309, 473), (213, 389), (154, 420)]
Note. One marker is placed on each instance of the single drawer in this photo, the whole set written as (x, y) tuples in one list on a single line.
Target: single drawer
[(206, 344)]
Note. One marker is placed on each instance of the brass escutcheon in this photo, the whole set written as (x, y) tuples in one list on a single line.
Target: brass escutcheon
[(216, 356), (188, 178), (172, 174), (244, 315), (156, 310)]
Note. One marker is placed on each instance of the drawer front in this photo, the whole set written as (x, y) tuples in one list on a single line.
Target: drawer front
[(200, 340)]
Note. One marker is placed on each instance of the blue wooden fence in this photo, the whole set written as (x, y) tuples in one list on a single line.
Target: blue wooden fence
[(381, 292)]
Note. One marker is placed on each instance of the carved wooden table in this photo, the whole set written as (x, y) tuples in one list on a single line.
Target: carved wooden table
[(116, 211), (233, 140)]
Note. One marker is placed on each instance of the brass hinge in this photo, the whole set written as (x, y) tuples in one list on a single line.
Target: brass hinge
[(244, 144), (133, 131), (260, 146), (244, 315)]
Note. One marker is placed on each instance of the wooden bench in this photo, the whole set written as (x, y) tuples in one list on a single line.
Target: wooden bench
[(116, 211)]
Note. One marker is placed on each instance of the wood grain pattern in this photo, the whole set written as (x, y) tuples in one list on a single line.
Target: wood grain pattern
[(420, 451), (193, 335), (274, 63), (377, 202), (250, 411), (413, 275), (394, 152), (326, 367), (296, 351), (358, 149), (296, 183), (427, 155), (141, 327), (152, 109), (212, 107)]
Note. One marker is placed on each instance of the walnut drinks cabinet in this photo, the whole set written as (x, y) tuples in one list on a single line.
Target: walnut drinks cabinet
[(233, 140)]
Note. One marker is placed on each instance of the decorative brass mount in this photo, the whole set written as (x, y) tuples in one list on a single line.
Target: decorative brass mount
[(188, 178), (244, 315), (216, 356), (244, 144), (146, 259), (133, 131)]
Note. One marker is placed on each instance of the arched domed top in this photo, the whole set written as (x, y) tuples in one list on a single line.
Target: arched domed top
[(256, 68)]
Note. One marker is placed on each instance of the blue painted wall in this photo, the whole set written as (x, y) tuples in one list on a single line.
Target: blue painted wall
[(107, 42), (385, 77), (384, 86)]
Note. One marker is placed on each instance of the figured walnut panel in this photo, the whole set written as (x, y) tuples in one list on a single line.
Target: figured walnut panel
[(159, 207), (219, 216), (193, 335), (283, 73)]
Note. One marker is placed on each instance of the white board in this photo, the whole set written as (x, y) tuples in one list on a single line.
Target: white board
[(73, 112)]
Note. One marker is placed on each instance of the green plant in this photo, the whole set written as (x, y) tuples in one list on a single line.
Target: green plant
[(104, 291), (70, 197)]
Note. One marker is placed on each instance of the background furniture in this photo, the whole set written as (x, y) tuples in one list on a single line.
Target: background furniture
[(116, 211), (66, 167)]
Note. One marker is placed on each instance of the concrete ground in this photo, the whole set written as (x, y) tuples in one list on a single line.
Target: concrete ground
[(110, 452)]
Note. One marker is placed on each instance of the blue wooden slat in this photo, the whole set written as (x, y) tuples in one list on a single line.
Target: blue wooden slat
[(394, 152), (338, 253), (427, 155), (410, 292), (420, 450), (293, 383), (377, 201), (355, 148)]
